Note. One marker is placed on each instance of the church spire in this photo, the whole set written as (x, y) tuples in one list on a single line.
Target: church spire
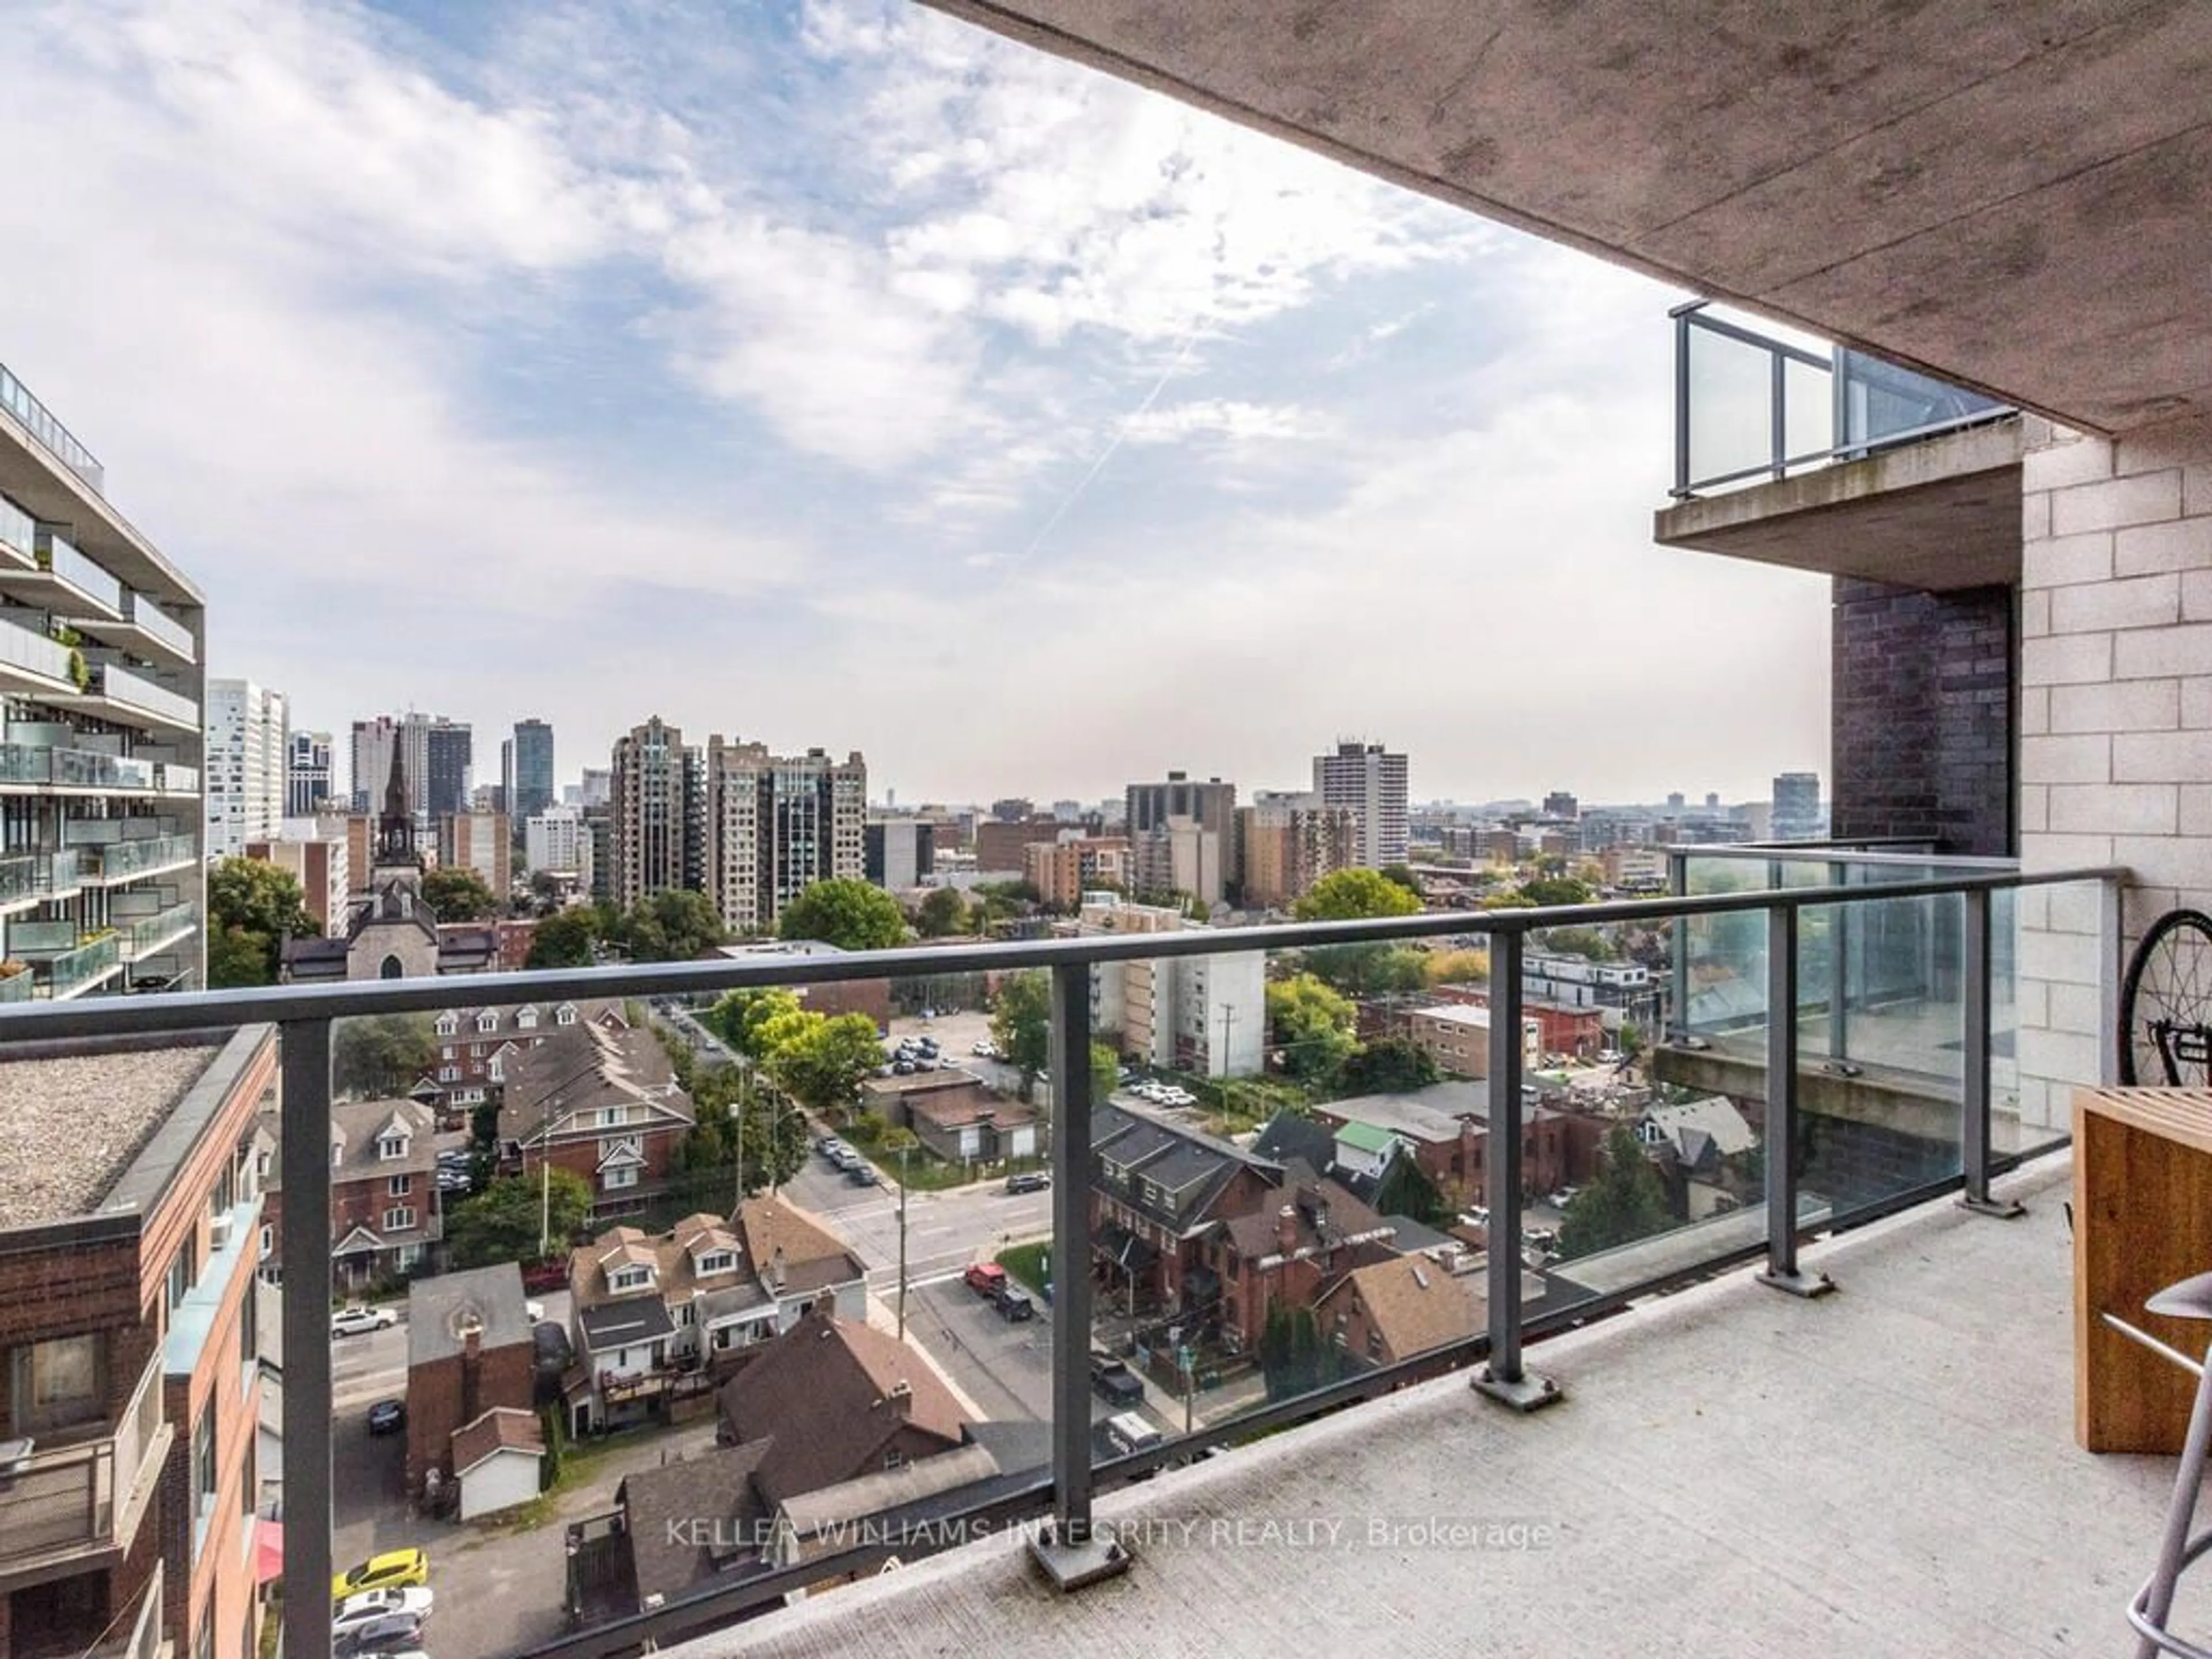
[(395, 829)]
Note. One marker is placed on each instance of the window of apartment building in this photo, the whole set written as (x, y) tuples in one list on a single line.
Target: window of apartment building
[(399, 1218), (60, 1381), (203, 1473), (396, 1186), (184, 1268), (249, 1337), (623, 1175)]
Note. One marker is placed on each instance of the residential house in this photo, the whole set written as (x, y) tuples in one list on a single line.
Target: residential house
[(469, 1352), (1703, 1147), (1389, 1311), (959, 1119), (1447, 1126), (656, 1321), (1286, 1249), (131, 1400), (386, 1218), (602, 1102), (498, 1460), (477, 1044), (1155, 1189), (1456, 1037)]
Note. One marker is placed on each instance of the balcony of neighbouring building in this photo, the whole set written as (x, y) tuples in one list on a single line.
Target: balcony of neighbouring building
[(37, 420), (32, 877), (110, 863), (38, 1633), (158, 931), (141, 627), (74, 1499), (33, 663), (42, 759), (1830, 460), (63, 581), (67, 963), (125, 696)]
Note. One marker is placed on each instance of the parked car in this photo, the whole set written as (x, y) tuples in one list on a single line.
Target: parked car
[(357, 1612), (1125, 1432), (986, 1049), (390, 1632), (902, 1068), (1562, 1197), (1013, 1303), (393, 1570), (1028, 1181), (387, 1416), (861, 1173), (985, 1277), (1115, 1382), (356, 1317)]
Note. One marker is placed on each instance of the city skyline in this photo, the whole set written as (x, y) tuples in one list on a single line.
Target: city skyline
[(827, 375)]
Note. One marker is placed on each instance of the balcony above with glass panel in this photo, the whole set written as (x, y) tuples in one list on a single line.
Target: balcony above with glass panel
[(143, 628), (1827, 459), (131, 697)]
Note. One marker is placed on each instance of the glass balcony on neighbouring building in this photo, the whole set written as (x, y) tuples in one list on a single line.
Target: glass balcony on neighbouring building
[(145, 935), (143, 626), (1753, 405), (55, 438), (133, 693), (43, 663), (109, 862), (19, 536)]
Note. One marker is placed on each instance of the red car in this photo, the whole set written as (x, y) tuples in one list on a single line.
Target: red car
[(986, 1277)]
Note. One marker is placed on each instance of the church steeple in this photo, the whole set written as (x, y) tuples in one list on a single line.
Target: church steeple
[(395, 829)]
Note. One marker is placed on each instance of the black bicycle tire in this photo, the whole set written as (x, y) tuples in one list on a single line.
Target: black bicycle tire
[(2173, 921)]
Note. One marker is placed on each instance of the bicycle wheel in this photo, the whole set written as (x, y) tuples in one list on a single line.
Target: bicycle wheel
[(2166, 1005)]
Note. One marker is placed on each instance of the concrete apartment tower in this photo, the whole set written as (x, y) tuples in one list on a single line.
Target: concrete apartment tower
[(101, 876), (529, 773), (657, 803), (1371, 781), (775, 824), (307, 773), (246, 755)]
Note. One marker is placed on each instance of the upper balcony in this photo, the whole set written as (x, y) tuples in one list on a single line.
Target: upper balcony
[(74, 1500), (127, 696), (140, 625), (55, 438), (1832, 460), (63, 581)]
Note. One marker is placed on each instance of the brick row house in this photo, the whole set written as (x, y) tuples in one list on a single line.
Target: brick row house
[(600, 1101), (471, 1371), (658, 1319), (128, 1414), (387, 1220), (478, 1046), (1445, 1127)]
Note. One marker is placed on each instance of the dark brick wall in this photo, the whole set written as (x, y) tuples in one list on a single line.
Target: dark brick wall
[(1921, 716)]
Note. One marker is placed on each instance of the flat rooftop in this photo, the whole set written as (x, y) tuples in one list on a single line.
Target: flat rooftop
[(74, 1123), (1890, 1470)]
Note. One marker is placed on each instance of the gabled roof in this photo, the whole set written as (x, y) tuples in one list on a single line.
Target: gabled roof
[(693, 1518), (584, 1067), (443, 1307), (502, 1429), (357, 1126), (1414, 1303), (775, 1243), (625, 1323), (1702, 1130), (833, 1395), (1326, 1216)]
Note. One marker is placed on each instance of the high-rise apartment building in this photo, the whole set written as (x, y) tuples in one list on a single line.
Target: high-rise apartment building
[(480, 842), (528, 773), (307, 773), (1371, 782), (775, 824), (658, 804), (246, 758), (898, 853), (1286, 843), (1168, 862), (595, 787), (102, 821), (369, 760), (442, 785), (556, 839), (1797, 815)]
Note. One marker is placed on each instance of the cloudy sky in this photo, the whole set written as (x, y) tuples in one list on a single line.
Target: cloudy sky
[(832, 373)]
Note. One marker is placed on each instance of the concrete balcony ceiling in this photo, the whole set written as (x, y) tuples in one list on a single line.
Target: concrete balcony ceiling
[(2013, 195)]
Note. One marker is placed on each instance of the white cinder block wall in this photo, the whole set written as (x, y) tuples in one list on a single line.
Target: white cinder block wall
[(2115, 719)]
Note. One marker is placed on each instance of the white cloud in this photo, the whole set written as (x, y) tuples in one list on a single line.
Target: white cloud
[(1227, 419)]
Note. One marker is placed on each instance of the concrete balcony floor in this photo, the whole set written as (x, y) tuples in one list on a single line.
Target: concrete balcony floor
[(1889, 1470)]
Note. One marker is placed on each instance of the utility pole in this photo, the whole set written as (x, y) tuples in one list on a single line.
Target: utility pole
[(1228, 1029), (902, 1279)]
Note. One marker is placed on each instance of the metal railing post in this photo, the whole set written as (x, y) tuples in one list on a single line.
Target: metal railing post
[(306, 1162), (1676, 1020), (1974, 1091), (1839, 971), (1503, 1378), (1782, 1270), (1070, 1554), (1777, 400), (1681, 403)]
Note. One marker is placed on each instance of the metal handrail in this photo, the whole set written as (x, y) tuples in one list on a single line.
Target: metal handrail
[(306, 1014)]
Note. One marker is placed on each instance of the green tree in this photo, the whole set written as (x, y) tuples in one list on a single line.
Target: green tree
[(1470, 967), (674, 925), (1021, 1024), (821, 1065), (1292, 1353), (739, 1016), (852, 915), (1350, 895), (943, 914), (1589, 942), (1388, 1065), (1406, 1190), (381, 1054), (503, 1223), (565, 939), (1370, 970), (1105, 1070), (1630, 1041), (1556, 890), (1625, 1201), (1403, 875), (252, 907), (1312, 1025), (457, 893)]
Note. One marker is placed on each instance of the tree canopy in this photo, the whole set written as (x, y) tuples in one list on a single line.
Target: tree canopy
[(1556, 890), (943, 914), (564, 940), (457, 893), (852, 915), (503, 1223), (674, 925), (1352, 895), (1625, 1201), (381, 1055), (739, 1017), (1388, 1065), (1405, 1189), (252, 906), (1370, 970), (1311, 1025), (1021, 1023), (818, 1060)]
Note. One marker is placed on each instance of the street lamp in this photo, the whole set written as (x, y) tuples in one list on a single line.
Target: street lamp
[(902, 1271)]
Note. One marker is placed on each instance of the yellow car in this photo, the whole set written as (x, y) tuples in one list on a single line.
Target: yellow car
[(393, 1570)]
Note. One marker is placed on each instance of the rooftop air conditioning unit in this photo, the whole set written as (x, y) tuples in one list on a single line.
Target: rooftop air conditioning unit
[(218, 1231)]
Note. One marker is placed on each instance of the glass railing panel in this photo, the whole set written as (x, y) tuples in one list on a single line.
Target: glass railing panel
[(1809, 409), (143, 935), (149, 616), (1882, 401), (20, 985), (23, 762), (19, 531), (1731, 428), (118, 860), (72, 970), (125, 687), (33, 651), (16, 397), (59, 556)]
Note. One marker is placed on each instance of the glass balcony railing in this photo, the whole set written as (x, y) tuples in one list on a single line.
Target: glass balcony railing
[(1751, 407), (175, 780), (148, 933), (20, 648), (1157, 1335), (49, 767), (58, 557), (39, 875), (123, 861), (71, 972), (121, 685), (18, 533), (16, 397), (147, 615)]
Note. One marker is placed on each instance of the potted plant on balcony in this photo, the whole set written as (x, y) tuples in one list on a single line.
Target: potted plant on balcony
[(10, 967)]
